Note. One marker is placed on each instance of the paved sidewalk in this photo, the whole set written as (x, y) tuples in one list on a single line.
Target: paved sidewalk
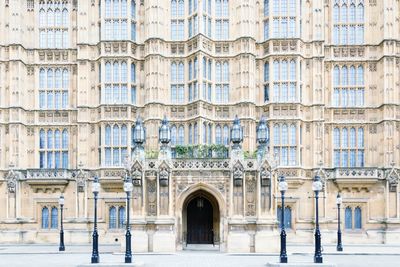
[(292, 249)]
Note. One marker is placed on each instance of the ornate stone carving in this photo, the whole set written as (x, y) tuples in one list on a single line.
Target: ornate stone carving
[(12, 179), (81, 179), (163, 177), (265, 176), (238, 175)]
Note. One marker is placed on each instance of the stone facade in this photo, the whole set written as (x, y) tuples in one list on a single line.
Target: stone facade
[(78, 111)]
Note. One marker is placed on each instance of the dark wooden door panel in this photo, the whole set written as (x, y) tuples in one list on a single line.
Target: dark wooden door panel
[(199, 222)]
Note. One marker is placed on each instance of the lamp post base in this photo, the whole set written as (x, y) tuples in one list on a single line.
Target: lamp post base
[(318, 259), (339, 248)]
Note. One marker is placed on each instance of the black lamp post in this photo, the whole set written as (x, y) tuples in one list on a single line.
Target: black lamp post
[(236, 133), (316, 187), (61, 202), (128, 186), (95, 248), (283, 186), (339, 246)]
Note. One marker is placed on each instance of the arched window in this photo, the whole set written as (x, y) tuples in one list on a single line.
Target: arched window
[(108, 136), (124, 10), (116, 72), (42, 18), (352, 13), (115, 135), (116, 8), (42, 78), (266, 7), (336, 138), (218, 74), (133, 73), (181, 72), (57, 15), (42, 139), (218, 135), (343, 13), (108, 72), (173, 135), (266, 71), (133, 9), (352, 137), (190, 134), (50, 18), (348, 218), (336, 13), (357, 218), (209, 133), (45, 218), (284, 135), (344, 76), (226, 135), (204, 133), (50, 78), (65, 139), (121, 217), (65, 18), (276, 134), (360, 138), (226, 72), (284, 70), (181, 135), (292, 70), (112, 218), (344, 138), (204, 68), (50, 139), (276, 70), (57, 139), (124, 135), (292, 135), (352, 75), (54, 218), (195, 133), (57, 78), (65, 77), (108, 8), (124, 72), (360, 12), (360, 75)]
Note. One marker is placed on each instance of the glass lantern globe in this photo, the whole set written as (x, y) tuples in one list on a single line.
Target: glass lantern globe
[(282, 185), (164, 132), (139, 132), (236, 131), (339, 199), (96, 185), (128, 186), (317, 184), (262, 131), (61, 200)]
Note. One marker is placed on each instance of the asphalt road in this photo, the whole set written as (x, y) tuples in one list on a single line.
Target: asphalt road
[(192, 259)]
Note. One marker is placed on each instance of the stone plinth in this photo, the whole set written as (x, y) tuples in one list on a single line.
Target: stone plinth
[(300, 264)]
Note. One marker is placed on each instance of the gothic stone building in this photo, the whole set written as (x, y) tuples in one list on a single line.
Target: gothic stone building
[(75, 76)]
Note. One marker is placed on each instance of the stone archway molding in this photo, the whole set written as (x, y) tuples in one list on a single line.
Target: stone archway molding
[(185, 194)]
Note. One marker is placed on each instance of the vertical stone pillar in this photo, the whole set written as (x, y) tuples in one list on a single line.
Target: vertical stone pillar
[(151, 200), (81, 194)]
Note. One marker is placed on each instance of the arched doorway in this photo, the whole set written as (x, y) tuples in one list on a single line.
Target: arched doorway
[(201, 219)]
